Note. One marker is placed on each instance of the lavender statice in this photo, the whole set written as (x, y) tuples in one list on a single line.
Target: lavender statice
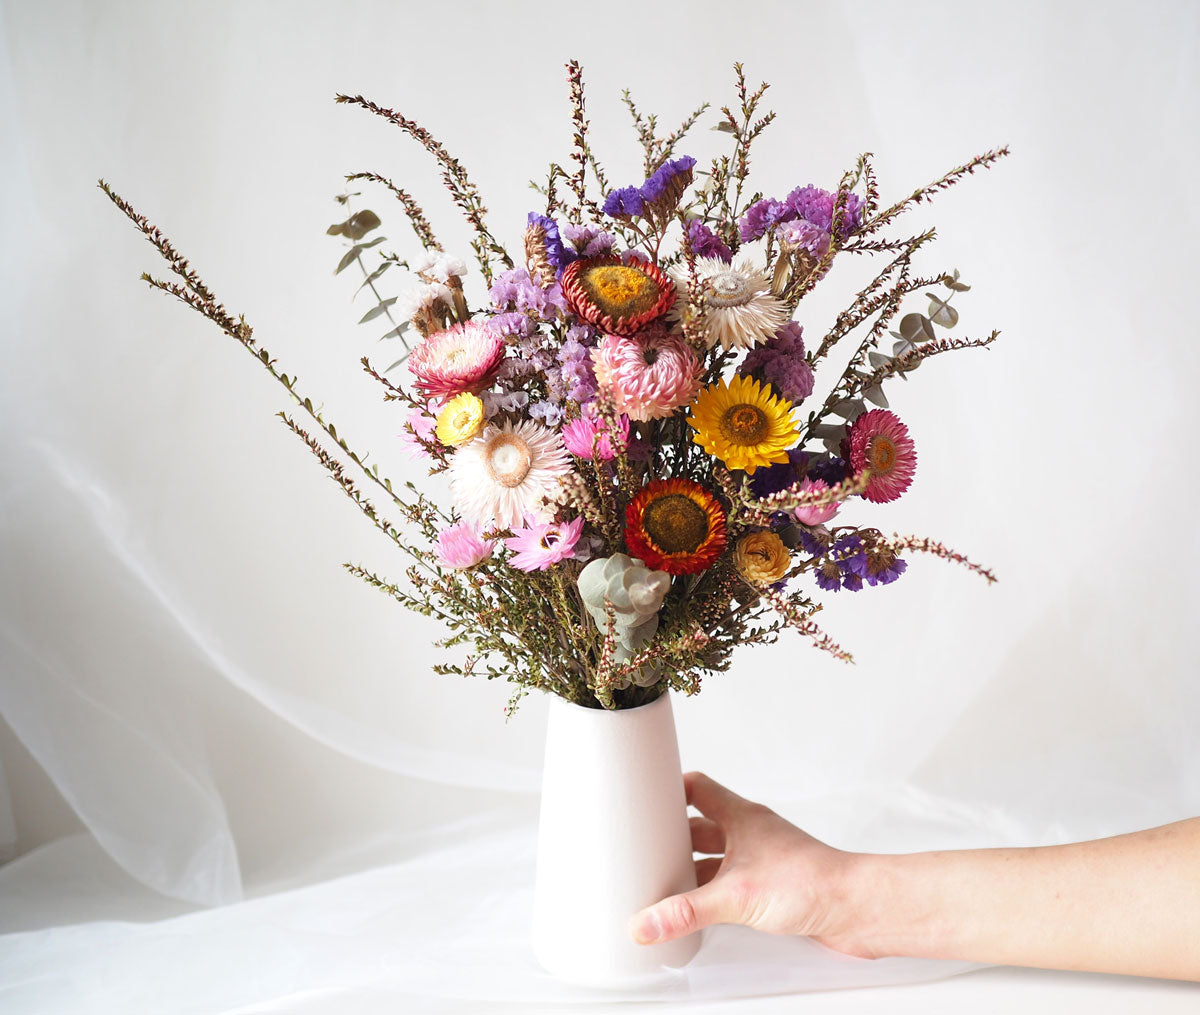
[(517, 290), (705, 243), (624, 203), (588, 241), (780, 362), (814, 205), (760, 217), (576, 374)]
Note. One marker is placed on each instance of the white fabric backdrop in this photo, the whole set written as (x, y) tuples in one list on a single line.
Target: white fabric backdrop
[(199, 703)]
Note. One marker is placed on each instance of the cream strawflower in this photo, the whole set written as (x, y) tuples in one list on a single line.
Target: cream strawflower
[(461, 419), (508, 472), (740, 309)]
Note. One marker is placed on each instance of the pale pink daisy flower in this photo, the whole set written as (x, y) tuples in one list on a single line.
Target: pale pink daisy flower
[(815, 514), (540, 544), (880, 442), (462, 546), (648, 375), (508, 472), (418, 425), (464, 357), (590, 435)]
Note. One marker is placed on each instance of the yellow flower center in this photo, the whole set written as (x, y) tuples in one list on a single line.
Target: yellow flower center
[(881, 454), (744, 424), (619, 289), (676, 524), (508, 460)]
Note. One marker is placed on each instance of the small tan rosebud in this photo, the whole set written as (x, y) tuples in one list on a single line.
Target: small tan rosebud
[(761, 558)]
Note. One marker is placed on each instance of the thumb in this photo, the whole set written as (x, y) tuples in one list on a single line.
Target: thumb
[(677, 916)]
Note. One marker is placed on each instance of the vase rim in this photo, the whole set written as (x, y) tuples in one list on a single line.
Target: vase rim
[(559, 699)]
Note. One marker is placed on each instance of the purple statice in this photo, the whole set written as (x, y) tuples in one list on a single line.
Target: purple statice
[(760, 217), (779, 475), (801, 235), (658, 194), (831, 471), (829, 576), (814, 205), (516, 290), (588, 241), (624, 203), (705, 243), (852, 582), (558, 255), (814, 541), (886, 573), (780, 363)]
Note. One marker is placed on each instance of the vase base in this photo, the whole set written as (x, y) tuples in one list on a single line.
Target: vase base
[(650, 966)]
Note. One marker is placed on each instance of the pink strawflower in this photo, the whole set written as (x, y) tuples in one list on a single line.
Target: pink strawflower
[(541, 544), (462, 546), (419, 424), (647, 375), (589, 435), (464, 357), (880, 442), (818, 514)]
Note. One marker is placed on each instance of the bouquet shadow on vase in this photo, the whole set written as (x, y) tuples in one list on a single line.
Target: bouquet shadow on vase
[(641, 479)]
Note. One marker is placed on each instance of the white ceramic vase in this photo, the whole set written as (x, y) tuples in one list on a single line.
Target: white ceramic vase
[(613, 838)]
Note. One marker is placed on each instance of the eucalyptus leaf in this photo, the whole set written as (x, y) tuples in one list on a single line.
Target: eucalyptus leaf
[(876, 395), (952, 282), (376, 310), (942, 314), (878, 359), (849, 408), (833, 445), (917, 328), (725, 127), (348, 259), (374, 275), (388, 370), (360, 223), (823, 430), (397, 332)]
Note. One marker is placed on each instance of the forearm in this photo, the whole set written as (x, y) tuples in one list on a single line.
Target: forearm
[(1129, 904)]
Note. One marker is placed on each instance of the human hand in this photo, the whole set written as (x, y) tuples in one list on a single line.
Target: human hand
[(772, 876)]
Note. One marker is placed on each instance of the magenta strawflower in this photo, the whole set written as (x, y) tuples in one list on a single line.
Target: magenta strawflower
[(880, 442), (541, 544), (464, 357), (590, 435), (462, 546), (647, 375)]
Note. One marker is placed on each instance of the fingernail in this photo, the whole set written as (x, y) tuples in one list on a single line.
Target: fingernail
[(646, 928)]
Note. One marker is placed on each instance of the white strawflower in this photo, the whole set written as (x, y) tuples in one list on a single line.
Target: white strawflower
[(409, 304), (740, 309), (439, 266), (508, 472)]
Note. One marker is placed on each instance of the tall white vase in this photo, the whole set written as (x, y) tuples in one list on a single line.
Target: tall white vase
[(613, 838)]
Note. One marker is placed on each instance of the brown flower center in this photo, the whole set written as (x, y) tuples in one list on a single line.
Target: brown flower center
[(744, 424), (508, 459), (620, 290), (675, 523), (881, 454), (729, 289)]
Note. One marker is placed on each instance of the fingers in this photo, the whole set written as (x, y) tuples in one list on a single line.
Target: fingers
[(707, 869), (711, 798), (707, 836), (679, 916)]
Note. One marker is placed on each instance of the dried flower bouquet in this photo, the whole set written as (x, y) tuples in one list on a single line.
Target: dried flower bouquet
[(641, 476)]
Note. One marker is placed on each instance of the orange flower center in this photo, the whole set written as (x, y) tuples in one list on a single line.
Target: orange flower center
[(744, 424), (881, 454), (675, 523), (620, 290)]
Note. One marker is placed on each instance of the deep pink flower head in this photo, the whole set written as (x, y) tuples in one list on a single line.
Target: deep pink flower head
[(462, 546), (541, 544), (648, 375), (815, 515), (464, 357), (420, 424), (590, 432), (880, 442)]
